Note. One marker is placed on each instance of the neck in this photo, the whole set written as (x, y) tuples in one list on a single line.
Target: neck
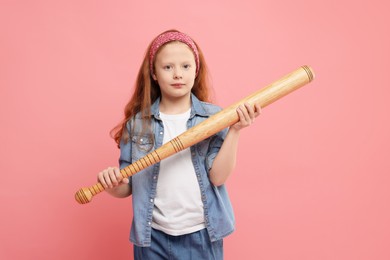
[(175, 105)]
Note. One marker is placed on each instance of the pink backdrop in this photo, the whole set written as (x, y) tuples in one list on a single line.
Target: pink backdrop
[(313, 175)]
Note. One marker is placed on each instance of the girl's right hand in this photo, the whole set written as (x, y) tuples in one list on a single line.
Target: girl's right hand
[(111, 178)]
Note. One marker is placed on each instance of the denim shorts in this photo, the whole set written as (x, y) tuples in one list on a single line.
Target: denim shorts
[(193, 246)]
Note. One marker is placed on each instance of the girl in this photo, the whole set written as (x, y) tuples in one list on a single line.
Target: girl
[(181, 209)]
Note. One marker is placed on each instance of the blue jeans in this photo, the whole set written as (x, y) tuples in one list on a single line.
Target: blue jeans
[(194, 246)]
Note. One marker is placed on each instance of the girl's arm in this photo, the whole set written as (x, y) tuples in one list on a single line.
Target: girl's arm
[(225, 161), (114, 183)]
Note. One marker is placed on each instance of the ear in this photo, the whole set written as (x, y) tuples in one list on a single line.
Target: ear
[(154, 76)]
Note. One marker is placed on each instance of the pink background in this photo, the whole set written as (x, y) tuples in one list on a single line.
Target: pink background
[(313, 175)]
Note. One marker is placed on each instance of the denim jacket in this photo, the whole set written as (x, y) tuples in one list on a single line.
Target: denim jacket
[(218, 212)]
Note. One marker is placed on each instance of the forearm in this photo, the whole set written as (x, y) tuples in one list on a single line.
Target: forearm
[(225, 161)]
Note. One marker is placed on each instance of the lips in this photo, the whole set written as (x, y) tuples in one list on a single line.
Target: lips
[(177, 85)]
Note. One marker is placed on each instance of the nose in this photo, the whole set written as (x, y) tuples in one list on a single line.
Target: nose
[(177, 74)]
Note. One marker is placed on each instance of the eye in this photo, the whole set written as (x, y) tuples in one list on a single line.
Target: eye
[(186, 66), (167, 67)]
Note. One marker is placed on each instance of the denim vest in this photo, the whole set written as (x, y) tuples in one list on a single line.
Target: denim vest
[(218, 212)]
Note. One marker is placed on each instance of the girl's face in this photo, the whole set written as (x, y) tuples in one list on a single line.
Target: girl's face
[(175, 70)]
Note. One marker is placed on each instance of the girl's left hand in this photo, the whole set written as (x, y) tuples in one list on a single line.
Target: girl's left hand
[(247, 115)]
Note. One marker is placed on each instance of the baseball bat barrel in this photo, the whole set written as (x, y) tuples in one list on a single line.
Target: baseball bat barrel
[(209, 127)]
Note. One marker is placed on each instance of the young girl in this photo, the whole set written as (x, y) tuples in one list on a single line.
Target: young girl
[(181, 209)]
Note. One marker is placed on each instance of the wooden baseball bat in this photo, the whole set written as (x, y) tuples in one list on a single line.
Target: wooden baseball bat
[(209, 127)]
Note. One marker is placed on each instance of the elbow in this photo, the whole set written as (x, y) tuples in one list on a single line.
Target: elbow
[(217, 183), (217, 180), (219, 175)]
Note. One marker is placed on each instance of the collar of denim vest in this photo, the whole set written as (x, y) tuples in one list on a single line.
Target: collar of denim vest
[(197, 108)]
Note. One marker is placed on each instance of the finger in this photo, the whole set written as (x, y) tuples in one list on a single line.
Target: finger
[(112, 176), (107, 179), (258, 110), (246, 115), (118, 174), (119, 177), (241, 115), (104, 179), (251, 111), (100, 179)]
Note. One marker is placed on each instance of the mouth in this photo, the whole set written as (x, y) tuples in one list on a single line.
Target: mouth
[(177, 85)]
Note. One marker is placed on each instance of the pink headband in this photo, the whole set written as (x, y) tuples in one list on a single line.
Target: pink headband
[(169, 37)]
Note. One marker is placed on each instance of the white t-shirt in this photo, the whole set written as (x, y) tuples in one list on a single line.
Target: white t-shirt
[(178, 207)]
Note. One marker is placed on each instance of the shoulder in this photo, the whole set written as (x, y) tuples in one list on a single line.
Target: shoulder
[(210, 108), (203, 108)]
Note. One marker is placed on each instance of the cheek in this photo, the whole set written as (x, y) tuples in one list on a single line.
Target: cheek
[(193, 77)]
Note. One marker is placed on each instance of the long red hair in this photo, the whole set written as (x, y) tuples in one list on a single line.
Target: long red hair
[(147, 91)]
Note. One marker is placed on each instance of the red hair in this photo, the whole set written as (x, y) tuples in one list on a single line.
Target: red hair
[(147, 91)]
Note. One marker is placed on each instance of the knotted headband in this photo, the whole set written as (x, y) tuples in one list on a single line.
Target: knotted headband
[(169, 37)]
